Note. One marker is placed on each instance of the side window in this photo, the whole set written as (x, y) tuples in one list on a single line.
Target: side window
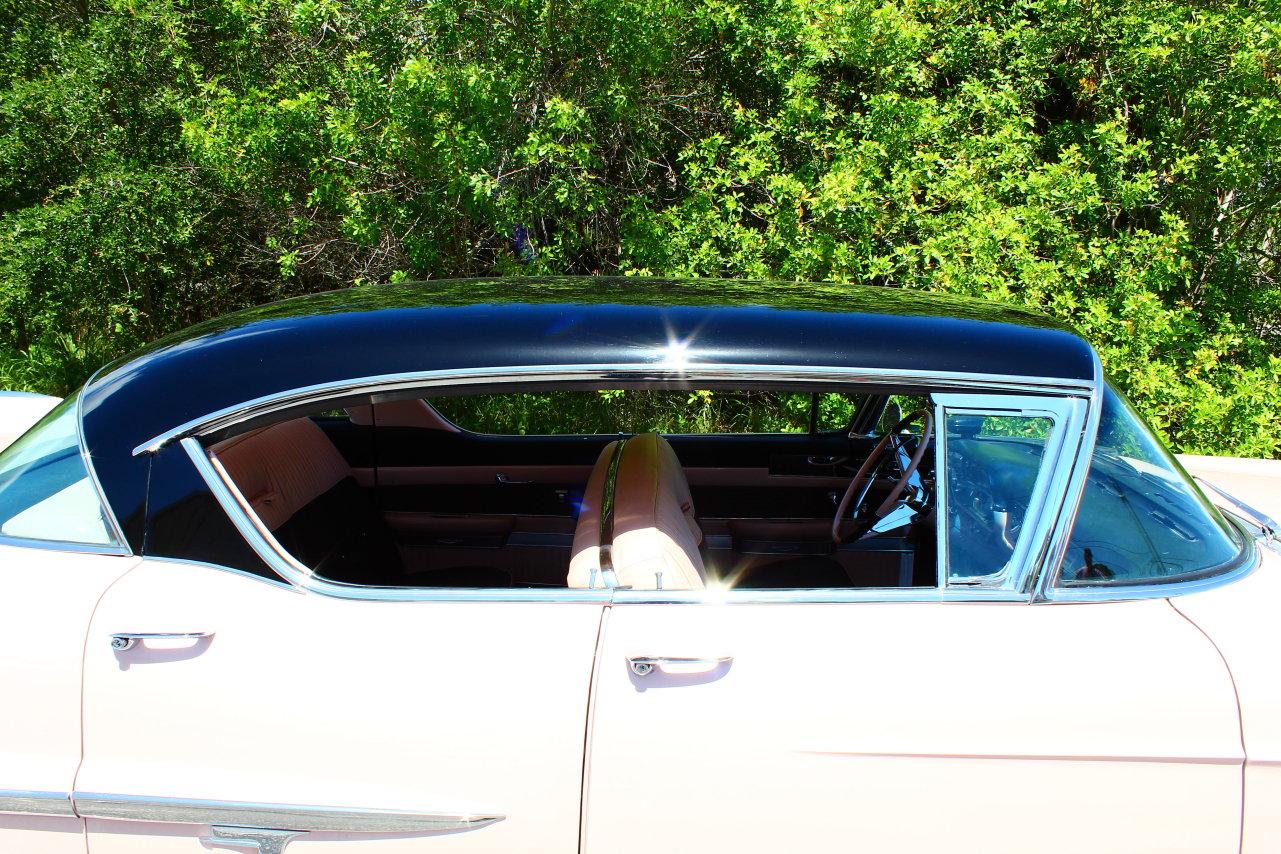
[(1141, 520), (45, 490), (998, 455)]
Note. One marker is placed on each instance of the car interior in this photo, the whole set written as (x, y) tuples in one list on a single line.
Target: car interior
[(796, 489)]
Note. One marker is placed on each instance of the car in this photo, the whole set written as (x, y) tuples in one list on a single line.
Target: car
[(622, 565)]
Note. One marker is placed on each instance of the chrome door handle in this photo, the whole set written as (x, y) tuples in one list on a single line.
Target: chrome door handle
[(121, 641), (506, 481), (643, 665)]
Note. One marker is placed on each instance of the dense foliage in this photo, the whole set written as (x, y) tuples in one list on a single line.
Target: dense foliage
[(642, 411), (1113, 163)]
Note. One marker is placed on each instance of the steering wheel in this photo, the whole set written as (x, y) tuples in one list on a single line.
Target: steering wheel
[(908, 464)]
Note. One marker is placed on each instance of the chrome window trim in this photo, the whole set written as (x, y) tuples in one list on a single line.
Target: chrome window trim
[(65, 546), (264, 815), (655, 371), (108, 514), (1056, 547), (1250, 560), (814, 596), (1047, 587), (260, 539), (26, 802), (1066, 415)]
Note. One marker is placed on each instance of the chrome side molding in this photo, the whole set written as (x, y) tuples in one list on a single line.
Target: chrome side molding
[(249, 816), (23, 802)]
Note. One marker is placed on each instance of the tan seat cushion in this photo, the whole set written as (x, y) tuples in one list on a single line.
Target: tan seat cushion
[(656, 536)]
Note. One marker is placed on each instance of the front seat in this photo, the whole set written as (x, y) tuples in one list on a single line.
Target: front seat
[(655, 535), (307, 496)]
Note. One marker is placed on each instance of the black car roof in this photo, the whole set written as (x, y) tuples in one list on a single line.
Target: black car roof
[(497, 323)]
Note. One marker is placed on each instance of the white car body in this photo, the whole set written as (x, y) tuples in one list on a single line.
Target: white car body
[(163, 704)]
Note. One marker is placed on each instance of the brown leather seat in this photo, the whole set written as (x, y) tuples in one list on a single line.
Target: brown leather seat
[(655, 535), (305, 493)]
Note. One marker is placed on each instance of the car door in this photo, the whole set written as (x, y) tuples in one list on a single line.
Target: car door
[(44, 615), (953, 718), (258, 715)]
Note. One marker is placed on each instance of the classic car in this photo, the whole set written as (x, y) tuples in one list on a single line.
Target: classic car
[(616, 565)]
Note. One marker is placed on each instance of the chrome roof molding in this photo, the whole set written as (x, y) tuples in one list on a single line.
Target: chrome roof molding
[(632, 372)]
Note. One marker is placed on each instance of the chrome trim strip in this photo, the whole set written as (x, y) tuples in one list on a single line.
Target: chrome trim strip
[(108, 513), (65, 546), (262, 541), (23, 802), (657, 370), (1234, 761), (1268, 526), (812, 596), (1103, 593), (1065, 415), (605, 533), (247, 814), (1048, 568)]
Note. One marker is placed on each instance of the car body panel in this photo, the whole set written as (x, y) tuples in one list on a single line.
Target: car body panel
[(1241, 619), (44, 613), (456, 708), (1257, 483), (914, 727)]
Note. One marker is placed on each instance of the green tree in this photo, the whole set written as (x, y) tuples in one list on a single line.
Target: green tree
[(1109, 163)]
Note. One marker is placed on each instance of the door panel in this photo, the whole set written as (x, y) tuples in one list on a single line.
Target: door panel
[(1241, 619), (453, 708), (918, 727), (731, 475), (44, 613)]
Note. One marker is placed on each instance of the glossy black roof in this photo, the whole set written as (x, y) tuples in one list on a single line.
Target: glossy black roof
[(494, 323)]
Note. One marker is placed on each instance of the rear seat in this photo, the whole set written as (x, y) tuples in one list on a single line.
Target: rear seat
[(305, 493)]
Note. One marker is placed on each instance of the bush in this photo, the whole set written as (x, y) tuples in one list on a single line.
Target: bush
[(1110, 163)]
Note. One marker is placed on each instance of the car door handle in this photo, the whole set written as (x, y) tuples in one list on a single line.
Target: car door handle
[(121, 641), (674, 665), (507, 481), (825, 460)]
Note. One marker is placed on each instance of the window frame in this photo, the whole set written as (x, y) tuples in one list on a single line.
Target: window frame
[(1049, 587), (296, 401), (1068, 418)]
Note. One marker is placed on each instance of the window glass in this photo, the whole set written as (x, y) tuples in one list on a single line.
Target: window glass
[(642, 410), (992, 466), (45, 491), (897, 407), (1141, 519)]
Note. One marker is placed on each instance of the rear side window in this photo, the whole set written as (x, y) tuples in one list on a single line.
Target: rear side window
[(45, 490), (1141, 519), (631, 411)]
